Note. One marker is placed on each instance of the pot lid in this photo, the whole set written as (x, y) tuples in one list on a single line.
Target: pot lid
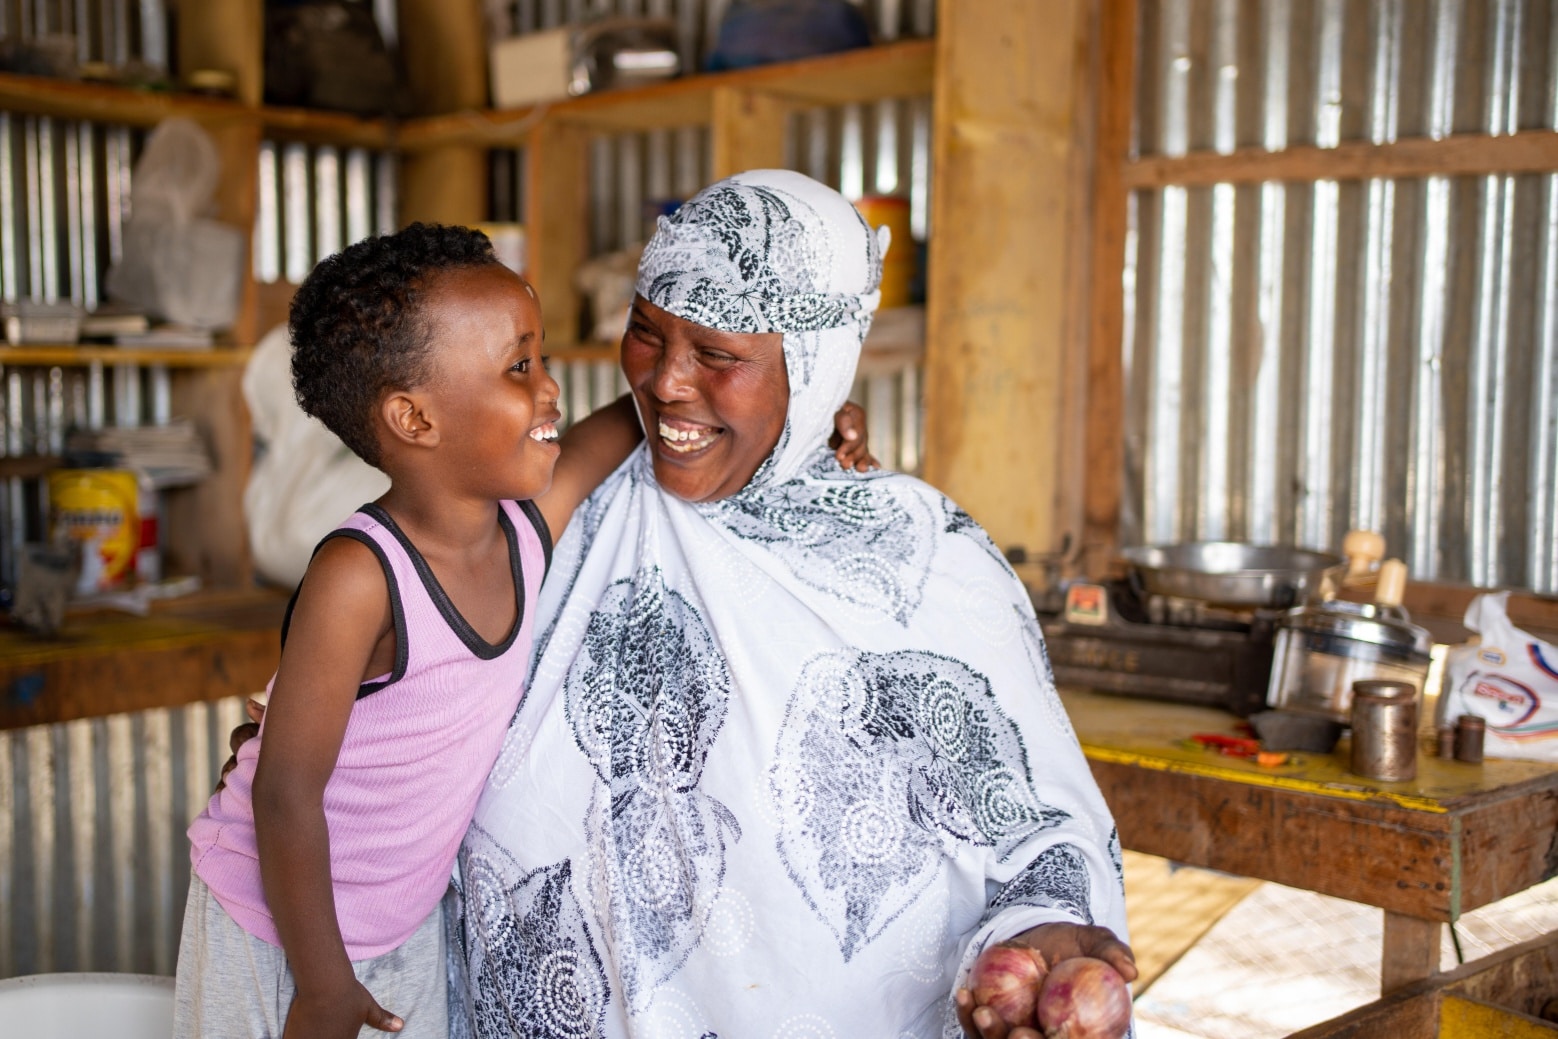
[(1385, 626)]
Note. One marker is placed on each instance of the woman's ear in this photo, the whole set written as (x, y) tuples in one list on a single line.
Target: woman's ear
[(407, 420)]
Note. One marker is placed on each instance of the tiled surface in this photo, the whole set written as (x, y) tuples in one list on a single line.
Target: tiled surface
[(1276, 960)]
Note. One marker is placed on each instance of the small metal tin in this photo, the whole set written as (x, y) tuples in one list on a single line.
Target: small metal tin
[(1384, 729), (1469, 733), (1446, 734)]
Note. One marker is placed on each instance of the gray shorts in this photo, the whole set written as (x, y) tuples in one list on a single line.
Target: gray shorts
[(233, 984)]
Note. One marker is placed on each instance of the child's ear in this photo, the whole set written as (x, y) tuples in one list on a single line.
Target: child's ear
[(407, 419)]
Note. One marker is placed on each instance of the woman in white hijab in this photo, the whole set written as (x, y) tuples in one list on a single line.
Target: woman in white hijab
[(791, 754)]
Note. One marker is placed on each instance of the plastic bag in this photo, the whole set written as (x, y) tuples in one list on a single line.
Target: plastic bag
[(177, 265), (305, 481), (1509, 678)]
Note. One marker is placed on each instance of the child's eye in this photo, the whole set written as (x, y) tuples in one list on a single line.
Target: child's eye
[(546, 362), (523, 366)]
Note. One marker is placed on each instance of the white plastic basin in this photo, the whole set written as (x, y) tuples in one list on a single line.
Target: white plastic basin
[(75, 1006)]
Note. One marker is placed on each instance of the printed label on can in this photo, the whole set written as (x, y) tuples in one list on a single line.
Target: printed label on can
[(97, 510)]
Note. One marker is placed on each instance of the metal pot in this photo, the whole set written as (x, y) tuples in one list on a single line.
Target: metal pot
[(1321, 650), (1232, 573)]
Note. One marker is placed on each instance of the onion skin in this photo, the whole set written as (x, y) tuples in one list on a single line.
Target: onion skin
[(1006, 978), (1084, 998)]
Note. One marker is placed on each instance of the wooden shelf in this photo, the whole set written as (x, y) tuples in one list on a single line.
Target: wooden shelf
[(80, 356), (67, 99), (200, 647), (313, 126), (901, 69), (869, 74)]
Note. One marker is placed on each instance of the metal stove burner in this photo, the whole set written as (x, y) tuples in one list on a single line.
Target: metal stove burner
[(1160, 648)]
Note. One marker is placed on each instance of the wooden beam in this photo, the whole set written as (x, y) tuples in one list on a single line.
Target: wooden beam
[(228, 35), (446, 185), (1411, 951), (37, 95), (444, 48), (1115, 90), (748, 131), (202, 519), (557, 202), (1000, 321), (1461, 155)]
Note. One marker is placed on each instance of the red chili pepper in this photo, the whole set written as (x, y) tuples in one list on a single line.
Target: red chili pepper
[(1233, 746)]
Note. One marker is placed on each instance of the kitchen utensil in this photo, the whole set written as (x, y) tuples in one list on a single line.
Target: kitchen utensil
[(1285, 730), (1233, 573), (1323, 648), (1384, 729)]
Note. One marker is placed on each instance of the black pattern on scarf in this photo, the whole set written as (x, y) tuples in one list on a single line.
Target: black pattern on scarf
[(882, 761)]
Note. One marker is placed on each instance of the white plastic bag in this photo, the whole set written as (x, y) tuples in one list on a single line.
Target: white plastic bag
[(1509, 678), (305, 481), (177, 265)]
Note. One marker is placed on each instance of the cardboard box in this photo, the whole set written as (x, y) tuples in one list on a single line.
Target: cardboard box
[(529, 69)]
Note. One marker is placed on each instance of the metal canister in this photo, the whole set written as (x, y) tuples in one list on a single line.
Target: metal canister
[(1384, 729), (1469, 733)]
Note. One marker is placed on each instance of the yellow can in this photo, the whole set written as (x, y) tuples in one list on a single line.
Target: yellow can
[(898, 266), (97, 510)]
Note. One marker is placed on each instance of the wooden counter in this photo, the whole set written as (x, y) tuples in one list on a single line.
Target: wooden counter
[(1457, 837), (202, 647)]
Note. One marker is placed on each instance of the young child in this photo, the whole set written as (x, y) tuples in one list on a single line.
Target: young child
[(320, 864)]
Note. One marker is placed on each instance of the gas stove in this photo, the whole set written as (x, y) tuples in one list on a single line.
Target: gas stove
[(1113, 638)]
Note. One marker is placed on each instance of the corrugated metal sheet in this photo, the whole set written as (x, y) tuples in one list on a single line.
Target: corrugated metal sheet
[(94, 864), (1306, 358)]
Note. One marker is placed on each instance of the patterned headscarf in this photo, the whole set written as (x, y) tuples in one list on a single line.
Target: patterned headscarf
[(775, 251)]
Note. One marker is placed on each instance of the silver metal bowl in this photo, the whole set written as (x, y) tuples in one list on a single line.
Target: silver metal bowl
[(1233, 573)]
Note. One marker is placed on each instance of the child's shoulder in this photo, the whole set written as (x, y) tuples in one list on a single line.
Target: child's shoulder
[(344, 565)]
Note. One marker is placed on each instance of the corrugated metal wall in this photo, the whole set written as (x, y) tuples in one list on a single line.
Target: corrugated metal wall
[(1306, 358), (94, 864)]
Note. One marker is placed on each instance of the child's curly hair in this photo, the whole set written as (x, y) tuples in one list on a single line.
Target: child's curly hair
[(357, 329)]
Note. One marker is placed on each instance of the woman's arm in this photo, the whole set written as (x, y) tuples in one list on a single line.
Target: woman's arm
[(341, 614), (591, 449)]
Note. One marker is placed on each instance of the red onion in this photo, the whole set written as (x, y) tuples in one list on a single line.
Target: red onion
[(1084, 998), (1006, 978)]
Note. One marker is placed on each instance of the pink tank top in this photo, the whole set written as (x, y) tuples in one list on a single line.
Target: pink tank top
[(416, 753)]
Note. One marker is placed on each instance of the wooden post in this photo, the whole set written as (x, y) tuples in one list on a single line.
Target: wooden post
[(748, 131), (557, 204), (1115, 95), (1411, 951), (444, 185), (228, 35), (444, 48), (1006, 318)]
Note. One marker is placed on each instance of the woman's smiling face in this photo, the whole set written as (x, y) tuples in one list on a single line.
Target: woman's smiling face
[(713, 403)]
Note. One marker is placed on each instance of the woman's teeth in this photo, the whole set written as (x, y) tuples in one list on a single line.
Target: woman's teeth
[(685, 441), (545, 434)]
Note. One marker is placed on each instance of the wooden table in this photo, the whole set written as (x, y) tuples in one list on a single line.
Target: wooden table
[(1457, 837)]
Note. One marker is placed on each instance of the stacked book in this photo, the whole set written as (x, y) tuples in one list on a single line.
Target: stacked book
[(173, 455)]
